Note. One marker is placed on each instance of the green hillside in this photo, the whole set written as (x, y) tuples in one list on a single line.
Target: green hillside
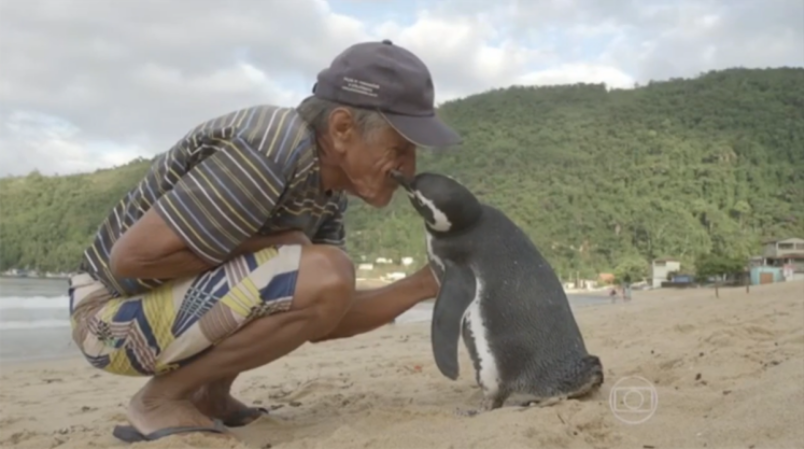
[(595, 177)]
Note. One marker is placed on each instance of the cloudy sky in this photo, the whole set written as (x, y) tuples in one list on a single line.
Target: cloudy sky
[(91, 83)]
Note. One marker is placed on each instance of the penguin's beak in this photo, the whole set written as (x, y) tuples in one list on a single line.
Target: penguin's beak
[(401, 179)]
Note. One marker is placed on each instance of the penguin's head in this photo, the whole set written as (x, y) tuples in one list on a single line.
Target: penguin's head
[(444, 203)]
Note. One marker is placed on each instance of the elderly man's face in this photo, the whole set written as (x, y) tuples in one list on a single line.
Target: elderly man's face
[(367, 160)]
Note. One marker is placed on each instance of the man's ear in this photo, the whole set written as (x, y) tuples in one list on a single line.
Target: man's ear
[(342, 128)]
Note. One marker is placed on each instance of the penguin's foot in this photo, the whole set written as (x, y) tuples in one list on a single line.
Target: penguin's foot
[(540, 402), (486, 405), (468, 413)]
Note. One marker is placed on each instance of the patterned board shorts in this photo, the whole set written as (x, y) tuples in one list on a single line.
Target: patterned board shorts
[(166, 328)]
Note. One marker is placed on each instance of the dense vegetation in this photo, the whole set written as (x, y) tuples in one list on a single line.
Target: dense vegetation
[(601, 180)]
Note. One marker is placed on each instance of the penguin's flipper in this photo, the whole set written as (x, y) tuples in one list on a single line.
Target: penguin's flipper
[(456, 293)]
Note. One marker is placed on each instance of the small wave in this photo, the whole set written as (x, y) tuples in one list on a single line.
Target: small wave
[(34, 302), (38, 324)]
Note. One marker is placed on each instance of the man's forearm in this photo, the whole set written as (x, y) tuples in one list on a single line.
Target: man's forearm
[(185, 263), (172, 266), (379, 306)]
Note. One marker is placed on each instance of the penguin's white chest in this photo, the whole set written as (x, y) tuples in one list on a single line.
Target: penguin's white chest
[(430, 254), (433, 258), (488, 375)]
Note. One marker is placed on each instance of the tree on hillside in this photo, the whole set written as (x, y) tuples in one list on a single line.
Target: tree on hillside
[(719, 267), (631, 269)]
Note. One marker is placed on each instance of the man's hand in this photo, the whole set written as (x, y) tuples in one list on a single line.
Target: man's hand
[(428, 284), (377, 307)]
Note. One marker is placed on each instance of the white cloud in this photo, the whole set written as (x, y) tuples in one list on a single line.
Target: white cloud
[(87, 88), (52, 146), (579, 73)]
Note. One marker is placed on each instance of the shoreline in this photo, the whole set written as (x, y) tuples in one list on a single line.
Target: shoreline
[(48, 343), (34, 324), (75, 355), (18, 362), (664, 295), (361, 282), (54, 353), (71, 352)]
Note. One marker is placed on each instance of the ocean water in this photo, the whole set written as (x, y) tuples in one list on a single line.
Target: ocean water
[(35, 324), (34, 319)]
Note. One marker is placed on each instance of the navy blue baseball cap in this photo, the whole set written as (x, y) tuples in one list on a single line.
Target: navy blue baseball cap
[(393, 81)]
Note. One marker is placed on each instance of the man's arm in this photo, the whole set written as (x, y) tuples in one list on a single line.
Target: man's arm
[(211, 212), (378, 307), (375, 307)]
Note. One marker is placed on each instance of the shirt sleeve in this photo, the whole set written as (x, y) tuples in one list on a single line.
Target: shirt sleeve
[(223, 200), (332, 231)]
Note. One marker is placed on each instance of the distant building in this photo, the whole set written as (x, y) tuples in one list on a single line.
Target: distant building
[(765, 275), (661, 268), (782, 253), (606, 278)]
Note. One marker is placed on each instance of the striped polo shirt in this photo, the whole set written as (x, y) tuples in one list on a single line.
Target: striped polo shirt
[(252, 171)]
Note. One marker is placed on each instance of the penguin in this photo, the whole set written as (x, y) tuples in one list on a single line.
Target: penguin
[(502, 297)]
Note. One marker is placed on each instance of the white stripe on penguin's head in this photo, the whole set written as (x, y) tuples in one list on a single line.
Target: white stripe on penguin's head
[(440, 221)]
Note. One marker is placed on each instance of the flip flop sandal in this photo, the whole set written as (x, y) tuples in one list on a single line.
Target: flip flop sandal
[(129, 434), (244, 416)]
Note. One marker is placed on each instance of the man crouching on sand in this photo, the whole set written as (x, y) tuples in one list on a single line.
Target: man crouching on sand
[(228, 254)]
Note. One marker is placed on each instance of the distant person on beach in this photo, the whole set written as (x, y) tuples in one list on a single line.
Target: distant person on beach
[(626, 288), (228, 254), (626, 292), (613, 294)]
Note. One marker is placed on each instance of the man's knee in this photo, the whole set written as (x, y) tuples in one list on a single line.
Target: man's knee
[(326, 282)]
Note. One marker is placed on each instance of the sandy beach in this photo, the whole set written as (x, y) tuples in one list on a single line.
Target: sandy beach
[(727, 373)]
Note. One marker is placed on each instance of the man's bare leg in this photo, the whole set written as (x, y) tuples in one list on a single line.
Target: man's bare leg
[(324, 292)]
